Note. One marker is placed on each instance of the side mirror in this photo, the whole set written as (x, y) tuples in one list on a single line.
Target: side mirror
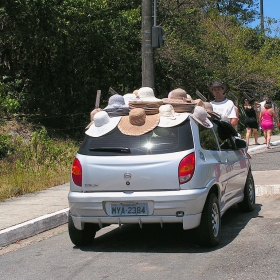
[(240, 143)]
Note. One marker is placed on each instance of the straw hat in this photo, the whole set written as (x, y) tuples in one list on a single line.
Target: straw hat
[(130, 97), (179, 93), (135, 92), (137, 122), (208, 106), (169, 118), (102, 124), (200, 115), (199, 102), (209, 109), (147, 94)]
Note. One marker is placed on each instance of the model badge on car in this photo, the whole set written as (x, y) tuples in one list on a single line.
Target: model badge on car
[(127, 177)]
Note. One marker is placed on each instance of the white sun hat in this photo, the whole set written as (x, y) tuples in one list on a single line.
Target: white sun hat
[(147, 94), (130, 97), (102, 124), (200, 115), (169, 118)]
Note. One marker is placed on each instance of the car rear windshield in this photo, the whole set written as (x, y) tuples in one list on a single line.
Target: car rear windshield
[(161, 140)]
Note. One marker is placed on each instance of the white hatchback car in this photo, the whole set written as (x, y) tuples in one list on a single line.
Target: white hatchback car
[(184, 174)]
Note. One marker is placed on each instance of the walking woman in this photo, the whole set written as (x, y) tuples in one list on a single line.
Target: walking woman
[(251, 120), (266, 118)]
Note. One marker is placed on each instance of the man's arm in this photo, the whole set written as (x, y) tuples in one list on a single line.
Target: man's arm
[(234, 121)]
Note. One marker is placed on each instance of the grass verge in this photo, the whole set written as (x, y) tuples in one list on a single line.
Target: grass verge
[(31, 165)]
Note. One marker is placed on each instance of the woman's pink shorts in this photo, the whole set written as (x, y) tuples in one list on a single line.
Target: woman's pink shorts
[(267, 126)]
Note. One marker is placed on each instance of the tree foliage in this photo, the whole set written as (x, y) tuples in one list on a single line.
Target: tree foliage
[(56, 54)]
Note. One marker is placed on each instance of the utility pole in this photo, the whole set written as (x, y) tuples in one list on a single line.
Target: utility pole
[(148, 79), (262, 18)]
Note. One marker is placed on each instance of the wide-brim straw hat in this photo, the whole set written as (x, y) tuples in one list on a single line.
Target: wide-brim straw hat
[(92, 113), (200, 115), (217, 84), (180, 106), (102, 124), (199, 102), (169, 118), (137, 122), (147, 94)]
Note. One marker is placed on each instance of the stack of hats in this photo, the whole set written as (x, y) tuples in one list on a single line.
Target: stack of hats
[(147, 101), (180, 100), (138, 113)]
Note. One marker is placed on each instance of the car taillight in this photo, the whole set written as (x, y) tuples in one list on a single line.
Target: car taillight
[(77, 172), (186, 168)]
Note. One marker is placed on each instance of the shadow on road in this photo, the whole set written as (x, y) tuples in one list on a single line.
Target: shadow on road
[(169, 239)]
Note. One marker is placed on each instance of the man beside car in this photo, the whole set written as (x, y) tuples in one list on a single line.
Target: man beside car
[(223, 106)]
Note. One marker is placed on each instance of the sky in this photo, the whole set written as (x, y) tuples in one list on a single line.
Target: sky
[(271, 8)]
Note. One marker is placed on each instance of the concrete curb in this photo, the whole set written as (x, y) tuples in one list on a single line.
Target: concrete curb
[(260, 147), (33, 227), (267, 190)]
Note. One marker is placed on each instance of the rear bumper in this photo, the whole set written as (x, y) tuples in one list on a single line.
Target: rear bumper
[(184, 206)]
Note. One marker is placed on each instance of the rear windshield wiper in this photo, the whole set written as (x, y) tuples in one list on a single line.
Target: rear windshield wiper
[(111, 149)]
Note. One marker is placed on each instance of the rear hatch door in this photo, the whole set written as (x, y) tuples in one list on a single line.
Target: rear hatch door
[(134, 173)]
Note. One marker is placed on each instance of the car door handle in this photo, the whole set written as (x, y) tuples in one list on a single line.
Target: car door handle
[(223, 162)]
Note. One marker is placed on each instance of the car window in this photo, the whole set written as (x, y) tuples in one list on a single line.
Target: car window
[(208, 141), (161, 140)]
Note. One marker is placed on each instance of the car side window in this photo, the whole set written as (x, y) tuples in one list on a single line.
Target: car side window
[(208, 141)]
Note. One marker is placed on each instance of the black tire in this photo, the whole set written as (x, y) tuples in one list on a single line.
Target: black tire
[(81, 237), (209, 230), (248, 203)]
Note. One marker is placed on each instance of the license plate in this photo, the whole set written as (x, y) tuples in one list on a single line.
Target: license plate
[(137, 209)]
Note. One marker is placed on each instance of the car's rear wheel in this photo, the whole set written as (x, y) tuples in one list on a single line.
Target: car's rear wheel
[(248, 203), (81, 237), (209, 230)]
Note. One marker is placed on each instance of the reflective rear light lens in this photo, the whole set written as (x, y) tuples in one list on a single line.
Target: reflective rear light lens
[(77, 172), (186, 168)]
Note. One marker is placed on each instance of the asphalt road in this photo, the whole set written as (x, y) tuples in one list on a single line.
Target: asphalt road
[(266, 160), (249, 249)]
